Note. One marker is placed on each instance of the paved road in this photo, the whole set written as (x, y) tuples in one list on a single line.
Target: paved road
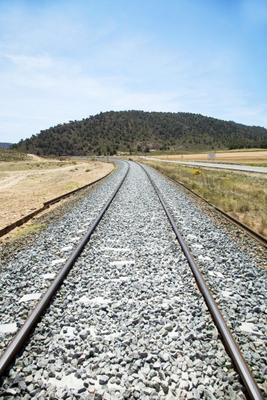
[(235, 167)]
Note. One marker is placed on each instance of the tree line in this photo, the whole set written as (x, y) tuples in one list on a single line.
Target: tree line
[(138, 131)]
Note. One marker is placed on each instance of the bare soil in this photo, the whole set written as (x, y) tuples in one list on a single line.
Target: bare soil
[(25, 186)]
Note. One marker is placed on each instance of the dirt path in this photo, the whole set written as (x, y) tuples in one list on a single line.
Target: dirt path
[(10, 181), (14, 178)]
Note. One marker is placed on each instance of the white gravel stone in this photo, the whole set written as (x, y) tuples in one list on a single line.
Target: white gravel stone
[(99, 300), (120, 263), (66, 248), (227, 293), (30, 297), (49, 276), (215, 273), (74, 239), (70, 381), (8, 328), (248, 327), (58, 261), (68, 331)]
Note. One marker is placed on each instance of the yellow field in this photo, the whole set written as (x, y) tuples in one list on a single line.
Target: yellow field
[(256, 157)]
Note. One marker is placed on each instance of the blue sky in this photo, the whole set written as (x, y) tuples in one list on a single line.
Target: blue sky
[(65, 60)]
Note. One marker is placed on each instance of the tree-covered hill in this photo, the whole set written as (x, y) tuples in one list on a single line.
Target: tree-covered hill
[(131, 131)]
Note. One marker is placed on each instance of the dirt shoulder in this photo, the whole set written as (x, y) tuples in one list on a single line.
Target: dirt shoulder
[(26, 185)]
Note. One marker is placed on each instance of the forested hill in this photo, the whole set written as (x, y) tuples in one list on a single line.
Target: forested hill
[(130, 131)]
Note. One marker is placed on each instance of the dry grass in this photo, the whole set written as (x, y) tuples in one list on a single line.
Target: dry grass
[(26, 185), (11, 155), (240, 195), (28, 229), (258, 157)]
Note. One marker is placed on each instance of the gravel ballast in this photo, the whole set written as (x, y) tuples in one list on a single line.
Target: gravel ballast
[(129, 321), (29, 272), (233, 273)]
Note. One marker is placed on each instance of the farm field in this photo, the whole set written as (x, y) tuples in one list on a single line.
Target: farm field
[(250, 157), (25, 185), (243, 196)]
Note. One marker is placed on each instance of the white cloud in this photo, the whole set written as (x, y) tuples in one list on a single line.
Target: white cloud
[(41, 91), (29, 62), (55, 68)]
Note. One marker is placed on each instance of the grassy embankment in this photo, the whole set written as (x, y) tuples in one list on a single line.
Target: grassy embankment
[(240, 195)]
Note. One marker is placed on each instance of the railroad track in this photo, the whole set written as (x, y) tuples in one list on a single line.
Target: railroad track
[(23, 335), (227, 338)]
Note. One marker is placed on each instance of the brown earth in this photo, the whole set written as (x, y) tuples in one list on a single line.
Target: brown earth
[(25, 186)]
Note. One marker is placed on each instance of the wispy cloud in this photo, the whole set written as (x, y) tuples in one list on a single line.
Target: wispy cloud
[(56, 67), (28, 62)]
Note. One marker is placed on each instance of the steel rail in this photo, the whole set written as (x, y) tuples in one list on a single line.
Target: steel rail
[(229, 342), (21, 338)]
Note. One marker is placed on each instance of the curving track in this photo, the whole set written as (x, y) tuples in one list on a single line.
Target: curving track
[(129, 321)]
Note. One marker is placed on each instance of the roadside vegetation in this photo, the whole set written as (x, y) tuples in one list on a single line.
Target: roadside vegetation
[(241, 195), (12, 155), (28, 229)]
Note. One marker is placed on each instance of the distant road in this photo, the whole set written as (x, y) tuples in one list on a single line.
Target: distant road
[(234, 167)]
